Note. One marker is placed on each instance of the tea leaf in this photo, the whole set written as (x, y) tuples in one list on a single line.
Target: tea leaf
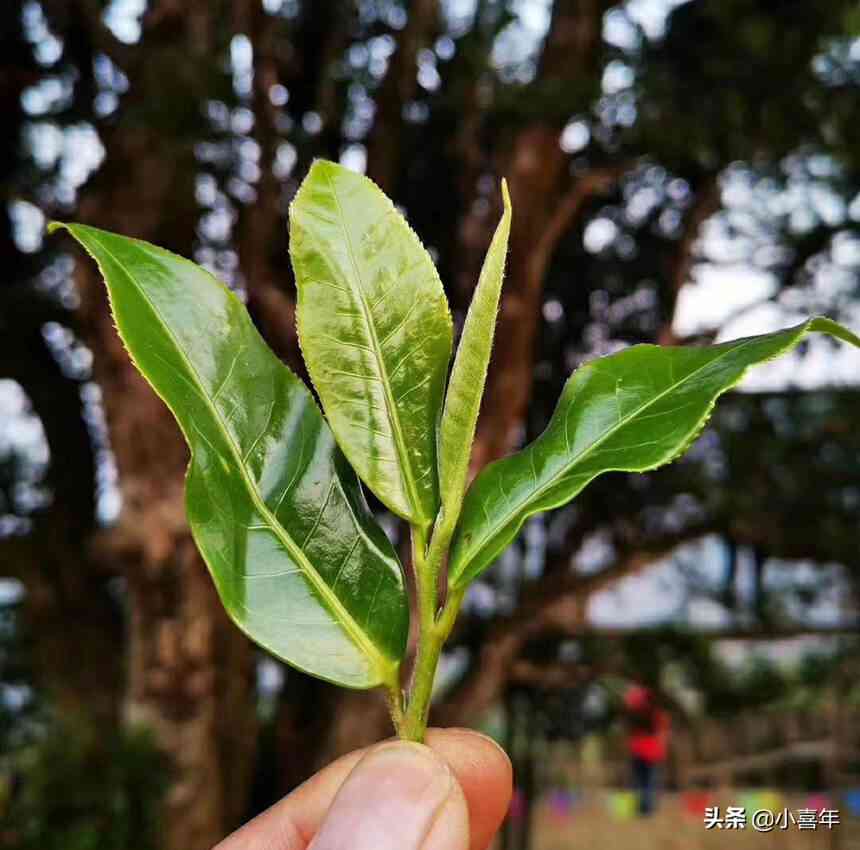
[(279, 517), (632, 411), (469, 373), (375, 332)]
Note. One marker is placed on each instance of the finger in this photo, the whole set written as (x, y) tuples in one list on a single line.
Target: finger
[(484, 772), (400, 796), (480, 766)]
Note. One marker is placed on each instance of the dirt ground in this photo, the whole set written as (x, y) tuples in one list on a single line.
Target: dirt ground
[(596, 823)]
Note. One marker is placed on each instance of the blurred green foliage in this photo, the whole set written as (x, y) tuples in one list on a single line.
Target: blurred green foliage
[(75, 789)]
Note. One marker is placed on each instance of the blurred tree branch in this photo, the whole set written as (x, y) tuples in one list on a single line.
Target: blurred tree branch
[(261, 234), (707, 201), (397, 89), (555, 603), (536, 168)]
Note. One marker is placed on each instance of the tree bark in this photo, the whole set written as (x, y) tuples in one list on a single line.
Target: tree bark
[(190, 678)]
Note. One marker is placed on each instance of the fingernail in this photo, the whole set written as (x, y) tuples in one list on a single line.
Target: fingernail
[(388, 801)]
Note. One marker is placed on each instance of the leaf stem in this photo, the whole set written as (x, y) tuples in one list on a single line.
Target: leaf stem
[(395, 702), (434, 626), (426, 583), (431, 640), (427, 654)]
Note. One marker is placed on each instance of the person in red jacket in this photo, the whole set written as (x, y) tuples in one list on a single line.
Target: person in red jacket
[(647, 741)]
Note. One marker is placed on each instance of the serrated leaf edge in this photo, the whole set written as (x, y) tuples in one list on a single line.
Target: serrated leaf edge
[(502, 233), (461, 578), (384, 667), (391, 412)]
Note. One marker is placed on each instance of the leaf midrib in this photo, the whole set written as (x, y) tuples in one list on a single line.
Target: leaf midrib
[(565, 468), (351, 627), (390, 404)]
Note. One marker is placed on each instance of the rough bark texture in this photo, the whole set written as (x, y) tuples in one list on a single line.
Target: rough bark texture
[(190, 678)]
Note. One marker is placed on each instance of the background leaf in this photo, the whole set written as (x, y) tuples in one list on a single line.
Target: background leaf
[(279, 517), (375, 332), (631, 412), (469, 373)]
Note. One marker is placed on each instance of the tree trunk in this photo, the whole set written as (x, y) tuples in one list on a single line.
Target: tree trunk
[(190, 677)]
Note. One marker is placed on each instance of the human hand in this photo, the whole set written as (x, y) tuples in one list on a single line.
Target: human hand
[(449, 795)]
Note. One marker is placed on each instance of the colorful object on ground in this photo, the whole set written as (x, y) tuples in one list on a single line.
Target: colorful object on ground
[(623, 805), (694, 803), (818, 802), (749, 800), (771, 800), (561, 802), (852, 802)]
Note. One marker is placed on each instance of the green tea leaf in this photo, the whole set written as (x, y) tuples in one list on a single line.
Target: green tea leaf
[(279, 517), (469, 373), (631, 412), (375, 332)]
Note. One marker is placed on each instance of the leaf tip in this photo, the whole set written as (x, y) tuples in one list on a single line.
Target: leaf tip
[(328, 168), (506, 196), (321, 164), (54, 226), (824, 324)]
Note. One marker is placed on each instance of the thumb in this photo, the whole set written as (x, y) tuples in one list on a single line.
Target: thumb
[(400, 796)]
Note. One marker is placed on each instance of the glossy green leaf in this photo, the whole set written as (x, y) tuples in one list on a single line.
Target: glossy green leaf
[(279, 517), (631, 412), (469, 373), (375, 332)]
